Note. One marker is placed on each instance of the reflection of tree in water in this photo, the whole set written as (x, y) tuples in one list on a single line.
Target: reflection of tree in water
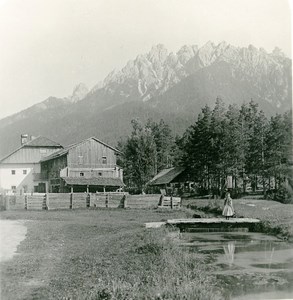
[(229, 250)]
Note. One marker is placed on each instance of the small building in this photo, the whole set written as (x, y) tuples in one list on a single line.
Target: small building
[(20, 170), (169, 181), (87, 166)]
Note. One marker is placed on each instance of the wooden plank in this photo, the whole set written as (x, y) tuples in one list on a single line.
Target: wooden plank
[(212, 221), (154, 224)]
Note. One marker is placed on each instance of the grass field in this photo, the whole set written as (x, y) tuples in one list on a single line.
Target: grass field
[(108, 254), (100, 254)]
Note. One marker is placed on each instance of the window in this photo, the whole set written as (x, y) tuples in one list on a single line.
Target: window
[(13, 172), (100, 174), (13, 188), (80, 159), (81, 174), (24, 172), (104, 160)]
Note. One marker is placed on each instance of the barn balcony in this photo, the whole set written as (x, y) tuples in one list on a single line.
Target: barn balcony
[(114, 172)]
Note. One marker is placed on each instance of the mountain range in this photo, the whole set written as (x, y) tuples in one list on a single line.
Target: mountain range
[(158, 84)]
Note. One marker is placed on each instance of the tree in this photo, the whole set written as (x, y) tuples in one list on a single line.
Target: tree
[(278, 147), (164, 141), (196, 146), (145, 152)]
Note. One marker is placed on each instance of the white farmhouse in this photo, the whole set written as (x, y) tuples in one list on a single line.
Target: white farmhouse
[(20, 170)]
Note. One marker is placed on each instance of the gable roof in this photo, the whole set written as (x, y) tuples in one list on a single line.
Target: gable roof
[(67, 148), (39, 142), (166, 176)]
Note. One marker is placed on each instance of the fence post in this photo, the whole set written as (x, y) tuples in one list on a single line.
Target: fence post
[(106, 200), (44, 206), (171, 202), (161, 200), (25, 202), (47, 201), (7, 202), (71, 200), (125, 201), (88, 200)]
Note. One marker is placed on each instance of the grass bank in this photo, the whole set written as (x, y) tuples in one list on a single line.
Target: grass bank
[(276, 218), (101, 254)]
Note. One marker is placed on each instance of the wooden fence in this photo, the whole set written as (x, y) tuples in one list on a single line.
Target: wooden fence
[(54, 201)]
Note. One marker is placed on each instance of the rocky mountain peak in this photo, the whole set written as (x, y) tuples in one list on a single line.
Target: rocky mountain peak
[(186, 53), (278, 52), (158, 53), (155, 72), (79, 92)]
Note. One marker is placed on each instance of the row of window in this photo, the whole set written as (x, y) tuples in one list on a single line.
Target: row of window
[(13, 172)]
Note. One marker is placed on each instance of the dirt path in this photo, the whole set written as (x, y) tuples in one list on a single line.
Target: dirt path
[(11, 234)]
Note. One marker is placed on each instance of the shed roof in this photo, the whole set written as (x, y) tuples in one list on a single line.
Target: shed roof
[(166, 176), (98, 181), (67, 148)]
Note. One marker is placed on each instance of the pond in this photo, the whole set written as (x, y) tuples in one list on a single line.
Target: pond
[(247, 265)]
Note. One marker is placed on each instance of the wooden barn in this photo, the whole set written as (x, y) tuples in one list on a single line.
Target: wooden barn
[(20, 170), (169, 181), (87, 166)]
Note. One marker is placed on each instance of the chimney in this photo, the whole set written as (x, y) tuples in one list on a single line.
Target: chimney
[(24, 138)]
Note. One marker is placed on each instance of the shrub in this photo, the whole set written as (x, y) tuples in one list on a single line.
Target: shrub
[(281, 195)]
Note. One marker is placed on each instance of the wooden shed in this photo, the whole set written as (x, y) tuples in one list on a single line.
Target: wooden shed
[(170, 180)]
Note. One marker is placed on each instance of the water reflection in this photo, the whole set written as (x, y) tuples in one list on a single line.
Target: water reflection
[(229, 250), (253, 264)]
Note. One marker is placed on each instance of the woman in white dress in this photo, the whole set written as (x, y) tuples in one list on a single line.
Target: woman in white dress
[(228, 210)]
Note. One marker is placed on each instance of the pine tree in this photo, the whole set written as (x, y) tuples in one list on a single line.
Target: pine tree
[(145, 152)]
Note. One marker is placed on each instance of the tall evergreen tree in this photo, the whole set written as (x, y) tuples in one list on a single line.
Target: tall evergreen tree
[(145, 152)]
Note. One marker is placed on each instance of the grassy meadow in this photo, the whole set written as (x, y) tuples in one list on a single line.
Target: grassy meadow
[(106, 254), (101, 254)]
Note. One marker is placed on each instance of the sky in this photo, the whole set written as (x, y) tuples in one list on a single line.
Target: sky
[(47, 47)]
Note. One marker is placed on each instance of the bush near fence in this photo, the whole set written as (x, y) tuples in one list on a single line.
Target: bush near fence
[(53, 201)]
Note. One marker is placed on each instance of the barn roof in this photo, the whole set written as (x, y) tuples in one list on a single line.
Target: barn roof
[(38, 142), (98, 181), (166, 176), (67, 148), (56, 154)]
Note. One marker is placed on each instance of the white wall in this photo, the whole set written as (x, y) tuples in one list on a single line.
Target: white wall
[(7, 179)]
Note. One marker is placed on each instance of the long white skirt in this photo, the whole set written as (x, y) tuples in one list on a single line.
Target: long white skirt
[(228, 211)]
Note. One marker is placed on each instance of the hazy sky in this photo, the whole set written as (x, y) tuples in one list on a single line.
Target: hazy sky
[(49, 46)]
